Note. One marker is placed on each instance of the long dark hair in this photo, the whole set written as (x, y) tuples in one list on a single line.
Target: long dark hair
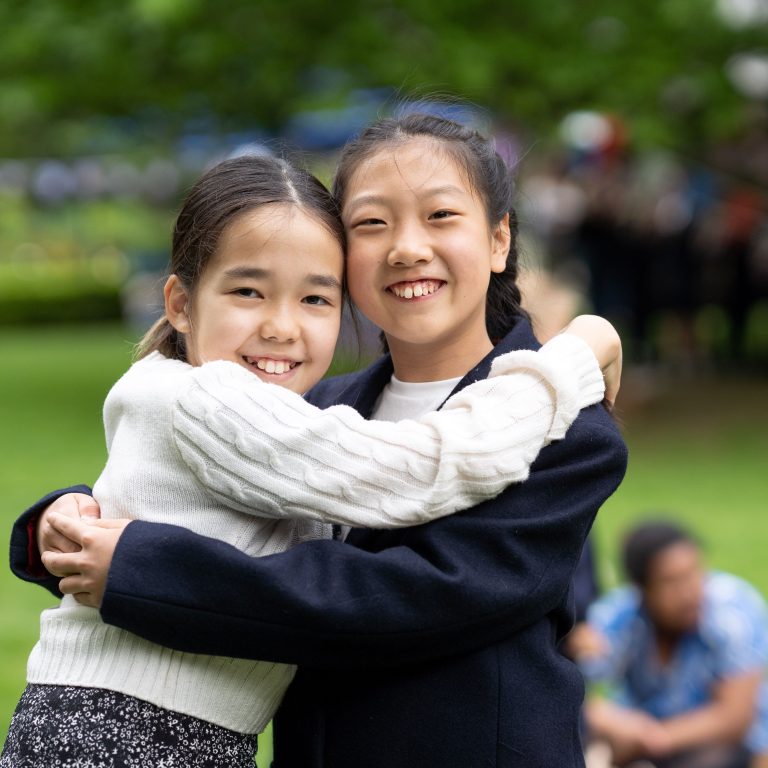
[(486, 172), (226, 191)]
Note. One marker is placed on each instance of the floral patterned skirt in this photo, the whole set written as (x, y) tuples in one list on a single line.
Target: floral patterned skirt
[(58, 726)]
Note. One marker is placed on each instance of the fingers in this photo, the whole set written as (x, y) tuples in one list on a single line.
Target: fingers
[(612, 377), (73, 505), (84, 573), (62, 563), (50, 540), (86, 598), (68, 528), (119, 523), (81, 589), (87, 506)]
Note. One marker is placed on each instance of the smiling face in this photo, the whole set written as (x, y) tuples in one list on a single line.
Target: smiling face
[(420, 256), (269, 299)]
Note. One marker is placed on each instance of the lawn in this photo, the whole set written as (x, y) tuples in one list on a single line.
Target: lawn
[(698, 450)]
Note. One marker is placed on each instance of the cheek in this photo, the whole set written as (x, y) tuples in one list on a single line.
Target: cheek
[(359, 281), (219, 322), (324, 337), (223, 329)]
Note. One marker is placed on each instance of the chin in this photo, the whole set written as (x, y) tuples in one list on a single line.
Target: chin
[(689, 623)]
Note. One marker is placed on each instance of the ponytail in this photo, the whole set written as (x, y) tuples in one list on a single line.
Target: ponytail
[(162, 337), (503, 303)]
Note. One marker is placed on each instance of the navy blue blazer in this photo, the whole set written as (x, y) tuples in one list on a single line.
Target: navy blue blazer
[(431, 646)]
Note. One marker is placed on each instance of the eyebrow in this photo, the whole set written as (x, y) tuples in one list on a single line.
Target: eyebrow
[(258, 273), (255, 273), (323, 281), (445, 189)]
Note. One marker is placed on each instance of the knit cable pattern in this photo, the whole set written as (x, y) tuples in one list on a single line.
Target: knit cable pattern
[(260, 448)]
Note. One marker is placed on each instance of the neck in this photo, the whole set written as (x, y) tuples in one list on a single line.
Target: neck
[(666, 642), (435, 362)]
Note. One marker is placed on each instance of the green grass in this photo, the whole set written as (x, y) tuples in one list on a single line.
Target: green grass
[(698, 449)]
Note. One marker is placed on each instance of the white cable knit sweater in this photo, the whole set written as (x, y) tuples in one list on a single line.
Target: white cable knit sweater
[(220, 452)]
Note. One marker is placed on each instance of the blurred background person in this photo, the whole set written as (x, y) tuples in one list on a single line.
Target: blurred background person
[(682, 652)]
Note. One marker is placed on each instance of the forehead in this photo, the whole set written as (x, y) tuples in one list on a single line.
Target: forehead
[(276, 225), (413, 165), (673, 560), (287, 236)]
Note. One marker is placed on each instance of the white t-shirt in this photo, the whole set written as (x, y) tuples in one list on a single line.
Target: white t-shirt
[(411, 399)]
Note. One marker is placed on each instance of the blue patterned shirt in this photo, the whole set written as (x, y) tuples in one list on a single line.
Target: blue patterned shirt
[(731, 639)]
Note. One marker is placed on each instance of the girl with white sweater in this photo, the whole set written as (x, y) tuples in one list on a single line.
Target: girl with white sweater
[(198, 437)]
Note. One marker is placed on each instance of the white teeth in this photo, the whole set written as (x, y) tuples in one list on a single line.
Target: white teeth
[(272, 366), (411, 290)]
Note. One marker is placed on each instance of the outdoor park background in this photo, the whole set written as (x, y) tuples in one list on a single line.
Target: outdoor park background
[(638, 134)]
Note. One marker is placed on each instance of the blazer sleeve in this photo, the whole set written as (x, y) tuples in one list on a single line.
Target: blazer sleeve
[(260, 448), (393, 598), (25, 556)]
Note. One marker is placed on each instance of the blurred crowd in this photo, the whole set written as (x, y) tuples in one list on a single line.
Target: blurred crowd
[(674, 252)]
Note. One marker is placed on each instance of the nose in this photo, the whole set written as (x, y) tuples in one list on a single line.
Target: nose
[(280, 325), (410, 247)]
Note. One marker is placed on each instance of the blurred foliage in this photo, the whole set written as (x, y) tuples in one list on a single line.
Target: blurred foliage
[(73, 73), (70, 262)]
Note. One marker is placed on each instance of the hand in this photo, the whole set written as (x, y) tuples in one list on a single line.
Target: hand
[(655, 739), (585, 642), (640, 736), (84, 572), (74, 505), (605, 342), (612, 377), (631, 732)]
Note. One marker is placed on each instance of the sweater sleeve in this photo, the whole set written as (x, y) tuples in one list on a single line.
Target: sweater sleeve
[(256, 446)]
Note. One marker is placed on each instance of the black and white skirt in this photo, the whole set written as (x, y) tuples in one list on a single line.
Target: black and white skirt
[(68, 727)]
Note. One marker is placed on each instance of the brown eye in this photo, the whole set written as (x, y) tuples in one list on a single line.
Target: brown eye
[(316, 301)]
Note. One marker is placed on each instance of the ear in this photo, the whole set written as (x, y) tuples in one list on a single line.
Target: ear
[(176, 304), (501, 238)]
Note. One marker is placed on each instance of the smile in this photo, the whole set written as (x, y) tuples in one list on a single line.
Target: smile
[(415, 289), (270, 365)]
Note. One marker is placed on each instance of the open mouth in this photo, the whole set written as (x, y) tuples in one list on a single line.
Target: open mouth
[(415, 289), (270, 365)]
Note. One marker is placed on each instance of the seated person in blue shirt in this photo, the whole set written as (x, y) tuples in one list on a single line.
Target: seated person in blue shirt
[(681, 655)]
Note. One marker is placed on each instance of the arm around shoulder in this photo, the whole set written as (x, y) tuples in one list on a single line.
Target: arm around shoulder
[(263, 449), (394, 597)]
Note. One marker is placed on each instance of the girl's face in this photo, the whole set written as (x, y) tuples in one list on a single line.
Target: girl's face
[(420, 256), (269, 299)]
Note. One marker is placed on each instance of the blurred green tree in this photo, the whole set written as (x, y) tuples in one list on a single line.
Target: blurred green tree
[(74, 69)]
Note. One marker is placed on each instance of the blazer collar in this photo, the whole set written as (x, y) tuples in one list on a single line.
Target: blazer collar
[(364, 389), (520, 337)]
